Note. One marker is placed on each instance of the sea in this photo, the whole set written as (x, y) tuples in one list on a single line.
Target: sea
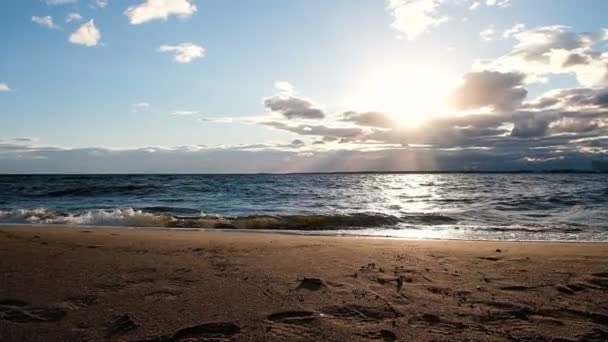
[(468, 206)]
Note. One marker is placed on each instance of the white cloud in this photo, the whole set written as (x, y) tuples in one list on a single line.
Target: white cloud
[(284, 87), (87, 34), (46, 21), (140, 106), (59, 2), (101, 3), (217, 120), (488, 34), (517, 28), (490, 3), (159, 9), (499, 3), (4, 87), (184, 112), (184, 52), (73, 17), (414, 17), (554, 49)]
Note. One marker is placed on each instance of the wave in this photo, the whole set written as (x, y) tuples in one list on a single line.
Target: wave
[(114, 217), (98, 190), (140, 218)]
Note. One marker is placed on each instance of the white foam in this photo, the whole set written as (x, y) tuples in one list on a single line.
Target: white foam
[(114, 217)]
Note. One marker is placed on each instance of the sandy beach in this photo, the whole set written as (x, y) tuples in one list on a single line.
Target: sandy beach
[(88, 284)]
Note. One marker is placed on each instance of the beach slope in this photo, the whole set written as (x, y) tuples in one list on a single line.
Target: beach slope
[(87, 284)]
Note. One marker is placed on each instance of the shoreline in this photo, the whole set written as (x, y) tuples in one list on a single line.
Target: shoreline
[(82, 283), (288, 232)]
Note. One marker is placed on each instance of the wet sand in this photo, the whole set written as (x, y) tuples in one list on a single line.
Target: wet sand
[(89, 284)]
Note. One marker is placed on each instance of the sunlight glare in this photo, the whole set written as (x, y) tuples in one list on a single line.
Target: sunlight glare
[(411, 93)]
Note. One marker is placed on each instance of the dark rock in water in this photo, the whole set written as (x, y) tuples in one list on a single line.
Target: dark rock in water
[(312, 284), (120, 324)]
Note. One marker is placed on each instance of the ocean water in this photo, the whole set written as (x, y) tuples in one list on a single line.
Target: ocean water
[(446, 206)]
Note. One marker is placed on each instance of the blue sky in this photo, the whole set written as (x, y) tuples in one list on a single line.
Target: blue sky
[(117, 91)]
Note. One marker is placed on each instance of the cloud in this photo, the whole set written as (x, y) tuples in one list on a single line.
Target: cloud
[(293, 157), (415, 17), (159, 9), (576, 125), (490, 3), (501, 91), (292, 107), (498, 3), (217, 120), (59, 2), (184, 112), (284, 87), (554, 49), (184, 52), (101, 3), (4, 87), (317, 130), (372, 119), (515, 29), (46, 21), (488, 34), (140, 106), (530, 126), (73, 17), (87, 35), (572, 99)]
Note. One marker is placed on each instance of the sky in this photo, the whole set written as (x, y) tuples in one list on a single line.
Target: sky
[(215, 86)]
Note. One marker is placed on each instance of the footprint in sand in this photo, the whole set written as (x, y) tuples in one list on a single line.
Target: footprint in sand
[(78, 302), (216, 331), (382, 335), (360, 312), (312, 284), (599, 279), (159, 295), (438, 322), (19, 311), (297, 325), (120, 325), (293, 317)]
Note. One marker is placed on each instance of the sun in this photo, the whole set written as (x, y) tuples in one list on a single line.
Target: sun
[(412, 93)]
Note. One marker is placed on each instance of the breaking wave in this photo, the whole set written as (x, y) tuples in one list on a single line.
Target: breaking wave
[(139, 218)]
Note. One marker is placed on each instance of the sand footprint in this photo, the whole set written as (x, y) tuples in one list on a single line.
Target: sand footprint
[(215, 331), (19, 311), (296, 325)]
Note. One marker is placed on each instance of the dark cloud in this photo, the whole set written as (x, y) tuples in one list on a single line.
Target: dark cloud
[(576, 125), (509, 154), (501, 91), (582, 98), (530, 127), (318, 130), (575, 59), (372, 119), (292, 107), (298, 143)]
